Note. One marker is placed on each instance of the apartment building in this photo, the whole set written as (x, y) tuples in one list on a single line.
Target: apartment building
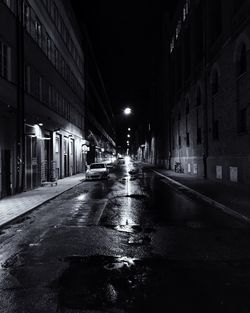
[(208, 87), (42, 94)]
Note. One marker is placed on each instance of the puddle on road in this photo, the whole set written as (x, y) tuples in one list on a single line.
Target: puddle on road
[(139, 241), (123, 284), (134, 228)]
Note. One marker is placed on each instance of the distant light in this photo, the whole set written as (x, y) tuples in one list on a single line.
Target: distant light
[(127, 141), (40, 124), (128, 135), (129, 129), (102, 149), (127, 158), (127, 111)]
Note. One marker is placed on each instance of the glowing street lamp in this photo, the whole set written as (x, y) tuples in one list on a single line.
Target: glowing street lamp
[(127, 111), (128, 135), (129, 129)]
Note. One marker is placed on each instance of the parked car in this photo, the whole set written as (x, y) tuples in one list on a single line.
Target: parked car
[(97, 171)]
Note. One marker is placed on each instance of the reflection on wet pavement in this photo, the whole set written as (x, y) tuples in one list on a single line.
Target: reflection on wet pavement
[(129, 244), (152, 285)]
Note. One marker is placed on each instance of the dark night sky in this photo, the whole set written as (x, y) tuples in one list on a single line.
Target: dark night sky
[(125, 36)]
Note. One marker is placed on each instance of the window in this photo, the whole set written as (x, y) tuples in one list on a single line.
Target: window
[(33, 146), (36, 84), (4, 69), (215, 129), (198, 135), (27, 78), (243, 120), (50, 95), (26, 17), (48, 47), (187, 54), (198, 97), (198, 128), (57, 59), (215, 82), (242, 61), (38, 31)]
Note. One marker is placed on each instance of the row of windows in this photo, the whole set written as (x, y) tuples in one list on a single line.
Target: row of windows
[(45, 92), (41, 36), (241, 68), (185, 12), (60, 25), (56, 17), (187, 138)]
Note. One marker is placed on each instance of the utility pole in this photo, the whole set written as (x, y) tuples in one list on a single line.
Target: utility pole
[(20, 139)]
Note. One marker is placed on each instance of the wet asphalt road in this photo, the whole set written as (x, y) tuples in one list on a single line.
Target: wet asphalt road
[(128, 244)]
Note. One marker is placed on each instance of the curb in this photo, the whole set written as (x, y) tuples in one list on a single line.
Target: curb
[(206, 199), (36, 207)]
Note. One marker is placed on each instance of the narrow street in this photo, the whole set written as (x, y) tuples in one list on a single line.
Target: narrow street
[(131, 243)]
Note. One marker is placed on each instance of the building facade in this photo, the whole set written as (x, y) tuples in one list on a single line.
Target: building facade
[(42, 94), (100, 121), (209, 75)]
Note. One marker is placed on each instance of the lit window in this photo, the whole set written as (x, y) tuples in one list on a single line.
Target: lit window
[(26, 17), (38, 29)]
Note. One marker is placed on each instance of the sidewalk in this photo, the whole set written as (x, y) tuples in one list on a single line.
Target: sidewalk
[(19, 204), (233, 199)]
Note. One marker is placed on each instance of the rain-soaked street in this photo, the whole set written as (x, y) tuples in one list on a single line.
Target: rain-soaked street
[(131, 243)]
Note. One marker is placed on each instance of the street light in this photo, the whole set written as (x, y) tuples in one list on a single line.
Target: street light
[(129, 129), (127, 111), (128, 135)]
